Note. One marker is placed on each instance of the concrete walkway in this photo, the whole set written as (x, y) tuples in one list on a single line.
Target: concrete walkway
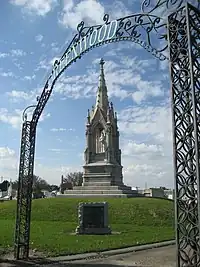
[(156, 257)]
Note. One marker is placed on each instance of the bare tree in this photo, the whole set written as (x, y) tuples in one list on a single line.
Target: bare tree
[(76, 178), (72, 179), (38, 184)]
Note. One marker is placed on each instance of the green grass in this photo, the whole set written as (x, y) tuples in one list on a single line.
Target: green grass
[(138, 220)]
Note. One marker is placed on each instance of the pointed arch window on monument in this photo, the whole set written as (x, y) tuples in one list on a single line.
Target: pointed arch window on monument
[(100, 140)]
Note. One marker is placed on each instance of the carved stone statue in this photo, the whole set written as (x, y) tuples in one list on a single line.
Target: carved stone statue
[(102, 140), (102, 137)]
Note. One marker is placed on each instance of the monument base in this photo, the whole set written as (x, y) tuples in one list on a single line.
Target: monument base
[(93, 231), (102, 179), (101, 190)]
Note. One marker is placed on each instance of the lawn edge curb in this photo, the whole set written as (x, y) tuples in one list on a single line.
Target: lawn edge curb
[(111, 252)]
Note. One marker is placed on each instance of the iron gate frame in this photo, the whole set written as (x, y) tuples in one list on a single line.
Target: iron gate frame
[(183, 31)]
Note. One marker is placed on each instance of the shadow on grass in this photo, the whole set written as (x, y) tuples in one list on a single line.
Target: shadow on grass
[(48, 263)]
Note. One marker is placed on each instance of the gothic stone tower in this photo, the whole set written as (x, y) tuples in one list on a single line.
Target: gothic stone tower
[(103, 169), (102, 153), (102, 174)]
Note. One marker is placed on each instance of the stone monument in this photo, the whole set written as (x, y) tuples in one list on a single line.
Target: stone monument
[(102, 174)]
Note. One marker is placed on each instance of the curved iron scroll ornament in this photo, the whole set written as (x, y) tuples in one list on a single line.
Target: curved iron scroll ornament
[(148, 7), (182, 32)]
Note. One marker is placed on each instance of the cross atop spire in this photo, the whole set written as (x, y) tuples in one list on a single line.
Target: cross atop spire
[(102, 62), (102, 97)]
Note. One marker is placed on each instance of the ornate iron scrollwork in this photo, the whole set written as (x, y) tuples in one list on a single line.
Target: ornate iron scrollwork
[(136, 28), (149, 7)]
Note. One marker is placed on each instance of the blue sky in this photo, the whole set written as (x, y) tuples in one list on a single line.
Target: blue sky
[(33, 34)]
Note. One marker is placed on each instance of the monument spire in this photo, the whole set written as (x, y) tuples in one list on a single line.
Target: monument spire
[(102, 97)]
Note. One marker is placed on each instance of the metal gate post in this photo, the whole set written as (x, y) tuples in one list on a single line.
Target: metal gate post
[(24, 195), (183, 36)]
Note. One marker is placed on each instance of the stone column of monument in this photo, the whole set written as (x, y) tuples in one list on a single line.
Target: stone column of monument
[(102, 171)]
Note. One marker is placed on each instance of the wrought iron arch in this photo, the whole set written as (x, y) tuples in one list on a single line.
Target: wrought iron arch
[(181, 29)]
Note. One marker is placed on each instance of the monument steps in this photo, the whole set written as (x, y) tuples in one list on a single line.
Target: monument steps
[(103, 187), (100, 191), (98, 195), (99, 183), (97, 179), (101, 175)]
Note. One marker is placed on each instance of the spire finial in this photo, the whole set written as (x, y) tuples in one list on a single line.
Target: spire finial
[(102, 97), (88, 116), (102, 62)]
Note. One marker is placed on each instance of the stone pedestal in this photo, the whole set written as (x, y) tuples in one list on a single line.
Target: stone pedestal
[(102, 179), (93, 219)]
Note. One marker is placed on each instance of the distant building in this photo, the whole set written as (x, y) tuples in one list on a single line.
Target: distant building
[(169, 193), (157, 192), (6, 190), (154, 192)]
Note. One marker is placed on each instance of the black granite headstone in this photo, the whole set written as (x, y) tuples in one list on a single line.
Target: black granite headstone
[(93, 217)]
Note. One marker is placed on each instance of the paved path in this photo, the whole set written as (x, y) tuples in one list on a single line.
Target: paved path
[(158, 257)]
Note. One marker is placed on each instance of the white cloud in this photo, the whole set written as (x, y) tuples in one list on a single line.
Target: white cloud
[(58, 150), (137, 64), (146, 145), (146, 88), (7, 74), (3, 55), (139, 96), (17, 52), (91, 11), (8, 163), (150, 175), (39, 38), (29, 78), (118, 49), (153, 120), (53, 174), (55, 47), (58, 130), (38, 7), (62, 130), (6, 152), (14, 118), (43, 64), (16, 96), (132, 149)]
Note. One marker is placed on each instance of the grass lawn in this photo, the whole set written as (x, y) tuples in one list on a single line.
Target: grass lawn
[(138, 220)]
